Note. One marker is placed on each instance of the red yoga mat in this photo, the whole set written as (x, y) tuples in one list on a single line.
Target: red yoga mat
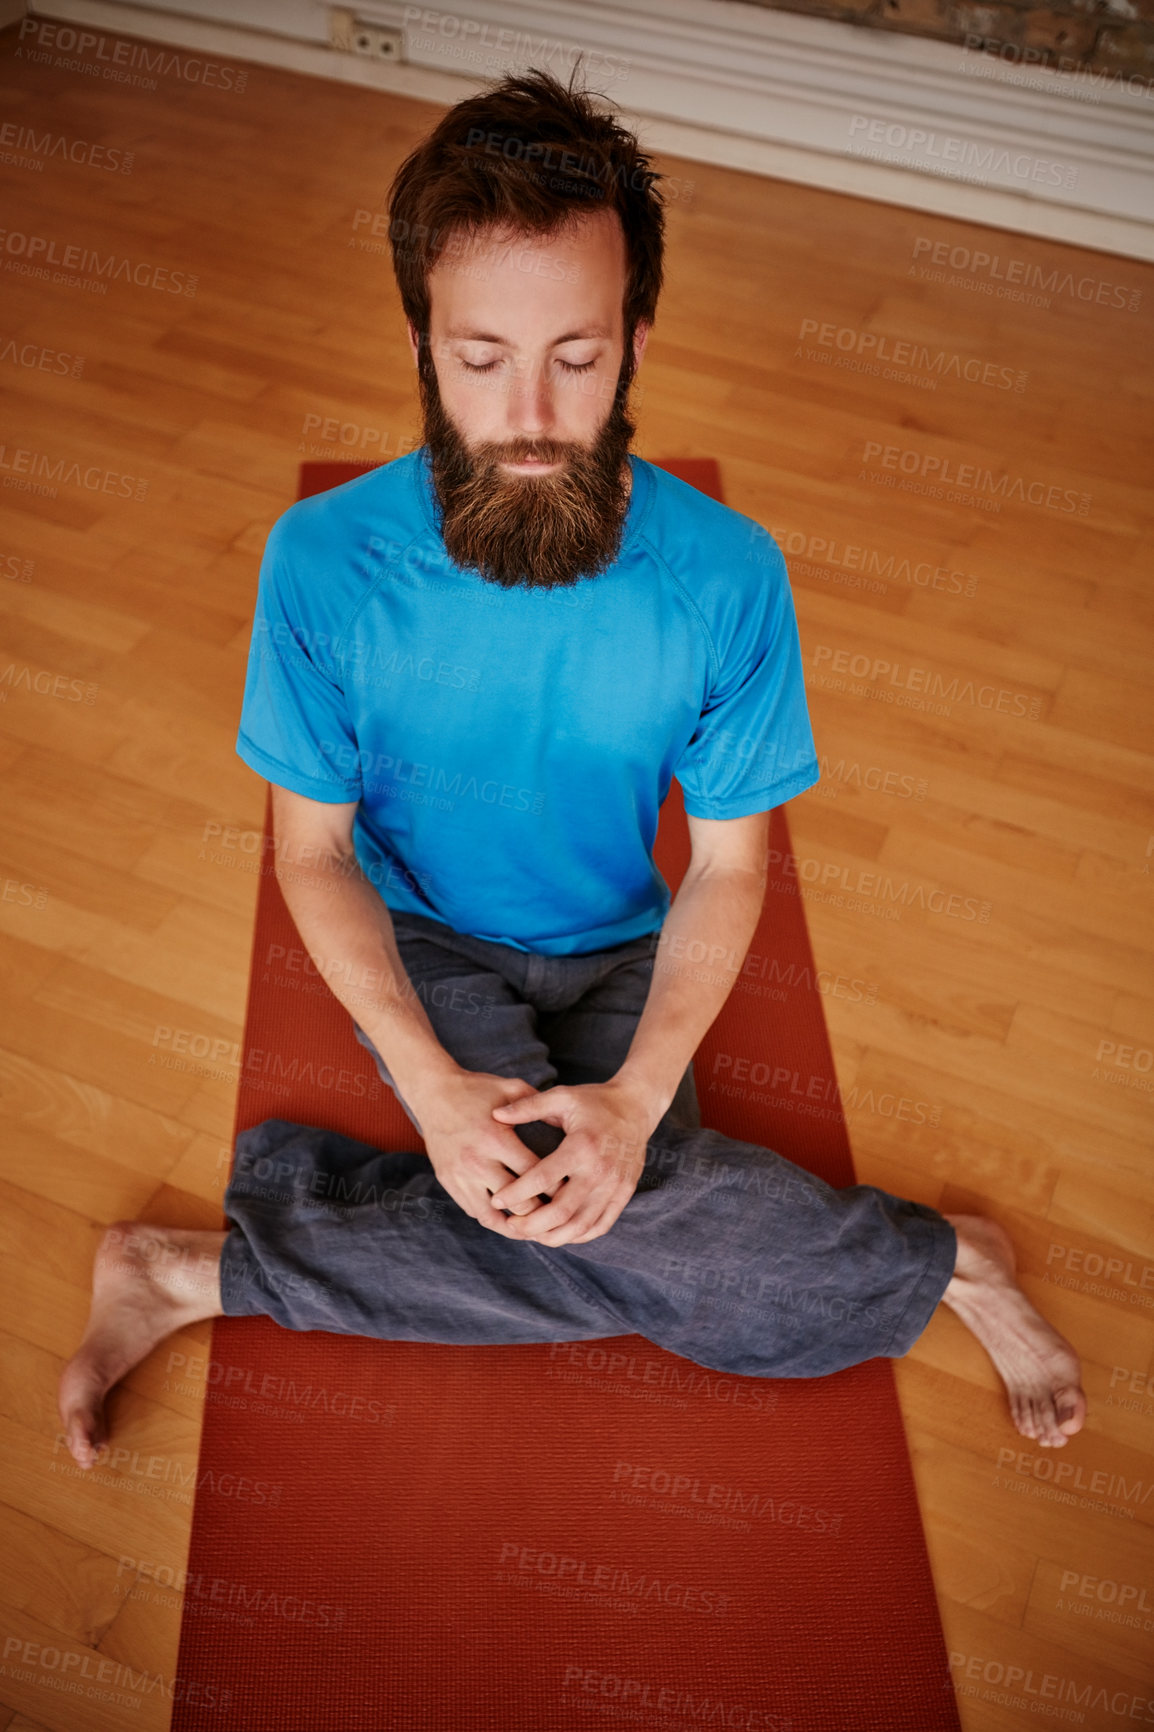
[(410, 1537)]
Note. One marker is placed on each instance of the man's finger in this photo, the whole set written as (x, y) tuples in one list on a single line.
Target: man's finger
[(494, 1220), (534, 1202), (595, 1223), (491, 1216), (515, 1155), (538, 1105), (598, 1220), (570, 1201), (523, 1209), (481, 1210), (547, 1173), (570, 1232), (600, 1224)]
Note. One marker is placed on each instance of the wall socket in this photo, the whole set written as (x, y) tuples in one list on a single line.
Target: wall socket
[(352, 35)]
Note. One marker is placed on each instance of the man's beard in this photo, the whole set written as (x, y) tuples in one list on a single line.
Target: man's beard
[(530, 531)]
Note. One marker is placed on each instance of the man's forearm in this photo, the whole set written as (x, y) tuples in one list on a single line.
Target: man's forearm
[(703, 944), (348, 932)]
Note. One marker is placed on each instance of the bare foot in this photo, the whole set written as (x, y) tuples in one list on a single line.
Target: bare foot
[(146, 1282), (1038, 1366)]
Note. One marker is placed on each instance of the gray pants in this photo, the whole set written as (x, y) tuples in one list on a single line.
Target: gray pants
[(727, 1254)]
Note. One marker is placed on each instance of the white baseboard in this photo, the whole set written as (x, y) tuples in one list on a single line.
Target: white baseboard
[(926, 125)]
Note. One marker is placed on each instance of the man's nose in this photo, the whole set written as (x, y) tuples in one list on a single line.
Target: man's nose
[(530, 403)]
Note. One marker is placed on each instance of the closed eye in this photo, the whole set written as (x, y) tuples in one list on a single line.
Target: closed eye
[(489, 365)]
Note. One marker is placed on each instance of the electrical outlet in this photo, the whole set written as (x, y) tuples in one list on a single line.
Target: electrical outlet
[(352, 35), (377, 42)]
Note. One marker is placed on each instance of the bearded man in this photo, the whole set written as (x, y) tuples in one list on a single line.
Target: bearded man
[(474, 672)]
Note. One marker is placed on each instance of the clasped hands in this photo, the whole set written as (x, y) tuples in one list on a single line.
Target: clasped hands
[(564, 1198)]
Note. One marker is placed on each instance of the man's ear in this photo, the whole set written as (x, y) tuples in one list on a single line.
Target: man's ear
[(413, 345), (640, 338)]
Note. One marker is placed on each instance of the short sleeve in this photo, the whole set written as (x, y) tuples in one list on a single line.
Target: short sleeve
[(295, 727), (753, 748)]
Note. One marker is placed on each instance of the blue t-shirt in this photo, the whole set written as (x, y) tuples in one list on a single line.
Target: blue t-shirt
[(511, 748)]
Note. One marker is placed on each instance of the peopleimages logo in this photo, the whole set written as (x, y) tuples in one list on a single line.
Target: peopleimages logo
[(819, 554), (1012, 278), (925, 682), (1108, 1593), (48, 685), (1084, 84), (506, 43), (1022, 1687), (688, 1488), (661, 1701), (879, 347), (223, 1592), (40, 358), (122, 62), (516, 1558), (932, 475), (874, 778), (977, 161), (63, 1669), (78, 150), (425, 783), (828, 875), (34, 471), (31, 255)]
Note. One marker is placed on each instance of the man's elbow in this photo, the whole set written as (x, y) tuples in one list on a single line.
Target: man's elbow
[(325, 857)]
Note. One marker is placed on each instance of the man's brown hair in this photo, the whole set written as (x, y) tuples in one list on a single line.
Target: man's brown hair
[(529, 155)]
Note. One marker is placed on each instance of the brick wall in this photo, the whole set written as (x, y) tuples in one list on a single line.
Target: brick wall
[(1101, 36)]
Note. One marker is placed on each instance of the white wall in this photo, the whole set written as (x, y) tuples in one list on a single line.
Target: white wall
[(923, 124)]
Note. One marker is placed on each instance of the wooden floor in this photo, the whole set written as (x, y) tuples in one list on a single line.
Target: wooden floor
[(977, 858)]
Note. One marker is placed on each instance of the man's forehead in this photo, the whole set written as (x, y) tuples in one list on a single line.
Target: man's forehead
[(473, 332), (571, 284), (577, 228)]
